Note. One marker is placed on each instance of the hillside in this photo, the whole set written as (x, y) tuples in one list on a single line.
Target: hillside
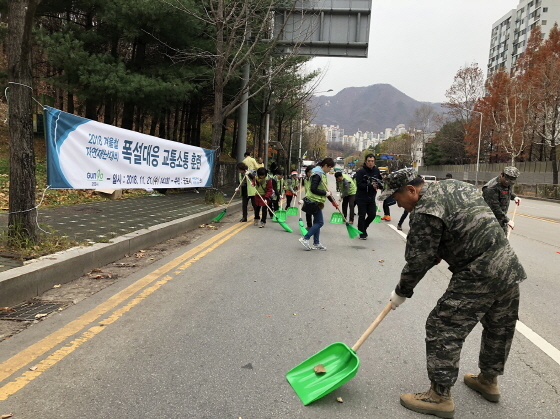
[(372, 108)]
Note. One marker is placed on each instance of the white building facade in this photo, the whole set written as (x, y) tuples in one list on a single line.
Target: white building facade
[(511, 32)]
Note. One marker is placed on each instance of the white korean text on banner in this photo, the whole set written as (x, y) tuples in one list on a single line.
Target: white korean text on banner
[(86, 154)]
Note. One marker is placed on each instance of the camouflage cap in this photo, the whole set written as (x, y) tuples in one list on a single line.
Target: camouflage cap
[(397, 180), (511, 171)]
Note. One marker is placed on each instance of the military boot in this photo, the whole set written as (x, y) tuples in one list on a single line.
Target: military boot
[(430, 402), (487, 386)]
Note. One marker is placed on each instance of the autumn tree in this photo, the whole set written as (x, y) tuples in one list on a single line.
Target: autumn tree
[(539, 73)]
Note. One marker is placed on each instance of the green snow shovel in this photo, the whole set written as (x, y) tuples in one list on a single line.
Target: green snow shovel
[(275, 218), (292, 211), (338, 361), (353, 232), (217, 218), (336, 218), (281, 214), (302, 229)]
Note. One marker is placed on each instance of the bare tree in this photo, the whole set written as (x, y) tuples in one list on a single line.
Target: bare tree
[(466, 90), (21, 220), (242, 34)]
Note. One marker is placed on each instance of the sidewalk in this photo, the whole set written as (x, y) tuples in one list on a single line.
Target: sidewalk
[(114, 226)]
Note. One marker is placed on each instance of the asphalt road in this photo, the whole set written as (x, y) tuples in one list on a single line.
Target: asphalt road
[(211, 330)]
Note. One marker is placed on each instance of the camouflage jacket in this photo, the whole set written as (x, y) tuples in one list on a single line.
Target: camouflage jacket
[(451, 221), (497, 196)]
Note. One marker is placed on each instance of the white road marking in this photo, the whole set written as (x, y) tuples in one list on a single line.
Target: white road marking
[(398, 231), (539, 342), (526, 331)]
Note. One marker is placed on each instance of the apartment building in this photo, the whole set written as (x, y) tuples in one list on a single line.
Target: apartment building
[(334, 133), (511, 32)]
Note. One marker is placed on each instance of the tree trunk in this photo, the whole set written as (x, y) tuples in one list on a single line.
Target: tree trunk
[(128, 116), (70, 103), (21, 221)]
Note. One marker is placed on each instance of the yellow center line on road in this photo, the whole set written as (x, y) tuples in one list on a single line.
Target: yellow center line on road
[(29, 354), (548, 220), (28, 376)]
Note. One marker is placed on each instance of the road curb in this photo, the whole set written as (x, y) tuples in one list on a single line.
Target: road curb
[(31, 280)]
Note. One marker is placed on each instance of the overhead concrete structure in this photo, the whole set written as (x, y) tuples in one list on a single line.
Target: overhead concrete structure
[(324, 28)]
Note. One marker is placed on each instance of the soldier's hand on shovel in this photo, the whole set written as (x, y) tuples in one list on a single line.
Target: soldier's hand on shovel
[(396, 300), (517, 200), (511, 224)]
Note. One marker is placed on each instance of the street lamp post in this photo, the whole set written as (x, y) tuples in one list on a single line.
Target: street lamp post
[(301, 129), (478, 152)]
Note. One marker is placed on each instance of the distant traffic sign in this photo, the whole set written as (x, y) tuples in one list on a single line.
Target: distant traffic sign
[(387, 157), (351, 164)]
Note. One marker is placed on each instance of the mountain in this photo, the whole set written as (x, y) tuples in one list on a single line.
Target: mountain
[(372, 108)]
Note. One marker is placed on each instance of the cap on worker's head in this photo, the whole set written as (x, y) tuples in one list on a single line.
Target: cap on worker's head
[(294, 172), (397, 180), (511, 171), (338, 174)]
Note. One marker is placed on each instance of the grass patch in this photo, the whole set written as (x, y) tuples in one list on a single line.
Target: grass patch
[(19, 247)]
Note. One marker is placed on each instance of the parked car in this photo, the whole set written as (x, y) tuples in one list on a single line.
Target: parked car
[(429, 178)]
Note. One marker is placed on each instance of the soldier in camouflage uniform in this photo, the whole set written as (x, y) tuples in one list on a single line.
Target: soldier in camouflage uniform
[(451, 221), (497, 194)]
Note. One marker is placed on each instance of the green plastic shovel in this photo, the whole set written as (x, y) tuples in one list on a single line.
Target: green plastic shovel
[(339, 362), (337, 218), (292, 211)]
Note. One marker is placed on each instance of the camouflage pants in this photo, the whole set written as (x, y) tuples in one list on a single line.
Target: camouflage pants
[(454, 317)]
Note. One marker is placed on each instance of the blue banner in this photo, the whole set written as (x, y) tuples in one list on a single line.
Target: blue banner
[(86, 154), (387, 157)]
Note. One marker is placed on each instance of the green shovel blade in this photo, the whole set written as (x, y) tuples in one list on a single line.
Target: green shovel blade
[(377, 219), (219, 216), (280, 215), (353, 232), (302, 229), (292, 211), (337, 218), (341, 364)]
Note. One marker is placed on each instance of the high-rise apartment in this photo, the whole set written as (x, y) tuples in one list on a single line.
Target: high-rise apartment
[(511, 33)]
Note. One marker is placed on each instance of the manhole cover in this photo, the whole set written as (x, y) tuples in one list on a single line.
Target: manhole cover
[(32, 310)]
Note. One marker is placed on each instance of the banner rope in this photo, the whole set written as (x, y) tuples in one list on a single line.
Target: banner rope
[(35, 207), (24, 85)]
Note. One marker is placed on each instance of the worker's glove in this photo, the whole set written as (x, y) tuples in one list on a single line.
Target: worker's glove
[(517, 201), (300, 202), (396, 300), (510, 224), (329, 193), (236, 189)]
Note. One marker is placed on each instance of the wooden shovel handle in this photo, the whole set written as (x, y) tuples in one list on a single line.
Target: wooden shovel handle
[(372, 327), (512, 218), (235, 193)]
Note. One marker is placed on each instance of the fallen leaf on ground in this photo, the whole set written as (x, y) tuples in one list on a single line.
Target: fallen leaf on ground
[(96, 270), (319, 369), (98, 277), (142, 251), (381, 261), (40, 315), (33, 368), (339, 399), (9, 415), (7, 309), (139, 255), (57, 286)]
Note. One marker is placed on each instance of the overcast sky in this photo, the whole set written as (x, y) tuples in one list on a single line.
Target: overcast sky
[(418, 46)]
